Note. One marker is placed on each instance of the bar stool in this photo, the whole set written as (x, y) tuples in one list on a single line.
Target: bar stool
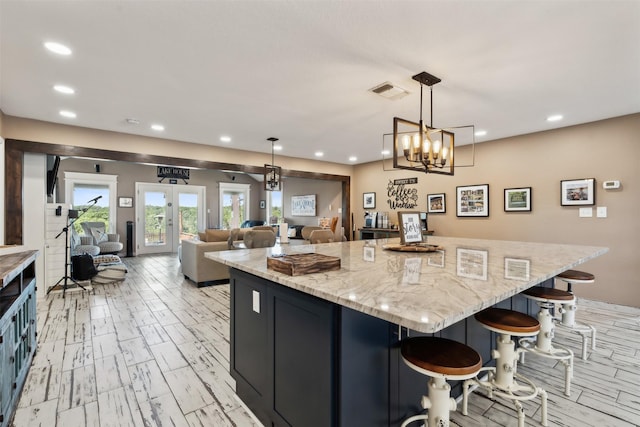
[(441, 359), (501, 380), (568, 310), (542, 344)]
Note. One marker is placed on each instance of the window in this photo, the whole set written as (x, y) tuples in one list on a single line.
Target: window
[(275, 208), (234, 204), (81, 188)]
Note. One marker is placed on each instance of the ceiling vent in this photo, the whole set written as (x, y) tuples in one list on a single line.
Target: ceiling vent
[(389, 90)]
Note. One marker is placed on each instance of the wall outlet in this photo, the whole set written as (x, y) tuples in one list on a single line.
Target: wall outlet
[(256, 301), (586, 212), (601, 211)]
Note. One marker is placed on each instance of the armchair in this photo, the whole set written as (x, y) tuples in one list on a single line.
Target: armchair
[(80, 245), (109, 243)]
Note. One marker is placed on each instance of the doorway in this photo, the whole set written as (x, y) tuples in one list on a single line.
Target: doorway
[(166, 214)]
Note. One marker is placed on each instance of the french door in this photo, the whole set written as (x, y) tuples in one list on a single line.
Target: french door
[(167, 214)]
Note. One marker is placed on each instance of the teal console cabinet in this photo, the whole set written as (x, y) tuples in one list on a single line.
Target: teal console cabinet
[(17, 326)]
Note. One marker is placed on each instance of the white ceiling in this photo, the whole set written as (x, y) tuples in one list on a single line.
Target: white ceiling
[(301, 70)]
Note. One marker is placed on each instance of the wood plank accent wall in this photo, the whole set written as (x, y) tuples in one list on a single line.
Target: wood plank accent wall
[(14, 158)]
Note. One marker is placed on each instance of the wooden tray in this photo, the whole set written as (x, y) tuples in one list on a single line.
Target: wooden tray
[(412, 248), (299, 264)]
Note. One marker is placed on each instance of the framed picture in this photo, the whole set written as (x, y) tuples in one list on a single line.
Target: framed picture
[(369, 200), (410, 227), (517, 268), (578, 192), (436, 203), (517, 199), (472, 263), (303, 205), (125, 202), (263, 204), (472, 200)]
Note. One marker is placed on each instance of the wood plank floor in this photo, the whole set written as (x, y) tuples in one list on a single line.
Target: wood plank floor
[(154, 351)]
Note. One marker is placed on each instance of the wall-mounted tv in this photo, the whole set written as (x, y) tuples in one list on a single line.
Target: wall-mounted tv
[(52, 175)]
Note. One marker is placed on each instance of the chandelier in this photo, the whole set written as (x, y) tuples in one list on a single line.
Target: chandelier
[(272, 173), (419, 147)]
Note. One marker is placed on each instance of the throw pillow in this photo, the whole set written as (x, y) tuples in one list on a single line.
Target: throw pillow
[(217, 235), (75, 239), (99, 234)]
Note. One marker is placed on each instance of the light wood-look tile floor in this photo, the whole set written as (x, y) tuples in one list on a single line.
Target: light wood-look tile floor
[(154, 351)]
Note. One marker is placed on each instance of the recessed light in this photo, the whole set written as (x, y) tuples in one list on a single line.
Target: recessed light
[(385, 152), (158, 128), (319, 154), (64, 89), (225, 139), (58, 48), (353, 159), (68, 114), (554, 118), (277, 147), (481, 133)]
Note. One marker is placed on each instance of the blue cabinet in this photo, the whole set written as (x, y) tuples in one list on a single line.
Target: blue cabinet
[(17, 327)]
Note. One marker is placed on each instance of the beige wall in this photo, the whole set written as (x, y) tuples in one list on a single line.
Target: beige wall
[(603, 150), (38, 131), (328, 199), (1, 179), (328, 193)]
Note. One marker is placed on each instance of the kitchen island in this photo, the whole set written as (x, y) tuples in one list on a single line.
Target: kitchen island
[(322, 349)]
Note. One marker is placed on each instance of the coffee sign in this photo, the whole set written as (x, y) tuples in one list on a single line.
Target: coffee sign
[(400, 196)]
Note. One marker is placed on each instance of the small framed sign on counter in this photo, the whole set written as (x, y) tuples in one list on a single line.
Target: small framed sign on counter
[(410, 227)]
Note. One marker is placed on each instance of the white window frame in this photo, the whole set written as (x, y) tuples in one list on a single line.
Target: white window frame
[(268, 213), (72, 178), (246, 188)]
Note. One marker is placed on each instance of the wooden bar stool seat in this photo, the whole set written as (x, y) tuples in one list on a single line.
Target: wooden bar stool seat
[(542, 344), (502, 380), (441, 359), (568, 310)]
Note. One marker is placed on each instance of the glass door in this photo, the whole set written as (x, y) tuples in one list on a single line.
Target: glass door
[(167, 214), (155, 221)]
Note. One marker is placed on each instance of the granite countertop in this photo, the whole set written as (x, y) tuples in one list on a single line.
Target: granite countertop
[(422, 291)]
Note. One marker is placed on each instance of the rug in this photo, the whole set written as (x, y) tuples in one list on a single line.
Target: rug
[(110, 270)]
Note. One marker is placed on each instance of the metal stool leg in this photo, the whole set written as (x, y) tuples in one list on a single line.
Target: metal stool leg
[(438, 404), (542, 345)]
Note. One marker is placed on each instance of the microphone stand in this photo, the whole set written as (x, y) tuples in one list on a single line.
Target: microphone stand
[(65, 279)]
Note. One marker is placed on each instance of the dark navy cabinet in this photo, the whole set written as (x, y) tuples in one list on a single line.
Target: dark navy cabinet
[(302, 361)]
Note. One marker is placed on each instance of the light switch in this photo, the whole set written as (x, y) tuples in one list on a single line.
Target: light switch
[(601, 212), (256, 301), (586, 212)]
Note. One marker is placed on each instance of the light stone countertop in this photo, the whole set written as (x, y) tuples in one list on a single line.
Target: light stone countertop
[(425, 292)]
